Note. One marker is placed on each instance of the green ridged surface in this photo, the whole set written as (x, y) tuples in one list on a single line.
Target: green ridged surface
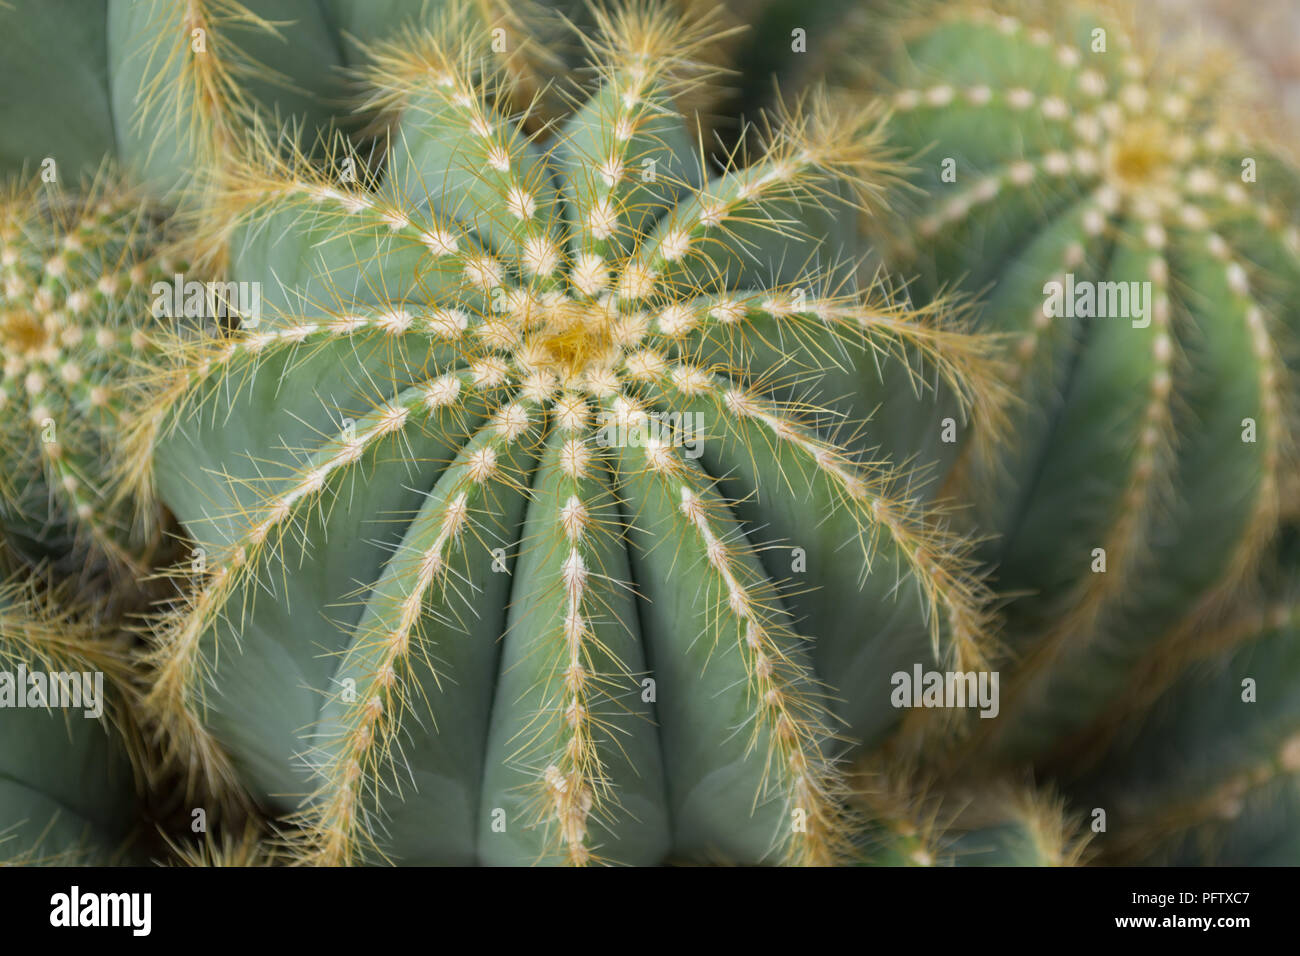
[(154, 111)]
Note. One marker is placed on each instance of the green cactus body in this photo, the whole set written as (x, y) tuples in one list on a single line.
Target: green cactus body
[(167, 87), (1010, 827), (798, 42), (76, 321), (1143, 480), (1211, 774), (160, 87), (532, 36), (572, 497), (186, 77), (459, 591), (915, 821), (66, 786)]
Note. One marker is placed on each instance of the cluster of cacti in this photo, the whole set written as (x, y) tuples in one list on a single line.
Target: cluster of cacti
[(558, 481)]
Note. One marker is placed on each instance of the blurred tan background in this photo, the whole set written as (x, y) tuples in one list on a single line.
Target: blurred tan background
[(1266, 31)]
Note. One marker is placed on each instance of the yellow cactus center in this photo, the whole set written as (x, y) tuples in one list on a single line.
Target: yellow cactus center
[(1140, 153), (22, 333), (581, 342)]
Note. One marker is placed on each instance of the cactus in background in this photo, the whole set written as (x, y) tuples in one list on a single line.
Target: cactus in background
[(502, 511), (162, 87), (67, 791), (246, 846), (798, 44), (917, 822), (66, 117), (532, 38), (1210, 775), (1009, 826), (1140, 257), (76, 321), (187, 78)]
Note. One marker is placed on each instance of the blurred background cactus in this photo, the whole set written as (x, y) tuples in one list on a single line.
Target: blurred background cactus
[(76, 322), (914, 820), (67, 787), (1062, 164), (1140, 253), (1202, 765)]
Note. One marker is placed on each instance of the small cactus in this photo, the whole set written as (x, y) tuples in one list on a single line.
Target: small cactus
[(76, 321), (454, 582)]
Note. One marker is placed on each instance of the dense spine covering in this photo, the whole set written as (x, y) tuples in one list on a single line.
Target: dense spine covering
[(429, 558), (76, 322), (576, 493)]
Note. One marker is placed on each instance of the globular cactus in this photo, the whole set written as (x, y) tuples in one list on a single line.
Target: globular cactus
[(67, 787), (77, 319), (1140, 253), (540, 519)]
